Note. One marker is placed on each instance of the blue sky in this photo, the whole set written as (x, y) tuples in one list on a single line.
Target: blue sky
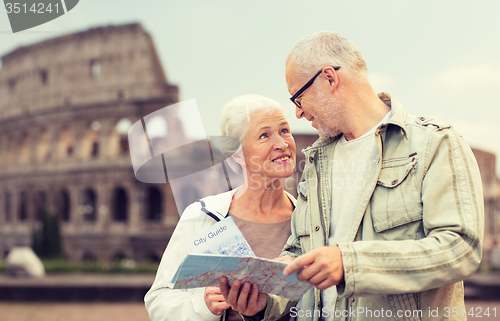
[(438, 58)]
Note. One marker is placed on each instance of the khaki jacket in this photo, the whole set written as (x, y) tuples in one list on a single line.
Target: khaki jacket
[(417, 231)]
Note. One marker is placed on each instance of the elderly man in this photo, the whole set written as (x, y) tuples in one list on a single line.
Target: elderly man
[(389, 219)]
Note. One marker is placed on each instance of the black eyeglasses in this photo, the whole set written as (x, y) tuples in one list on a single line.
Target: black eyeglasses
[(309, 83)]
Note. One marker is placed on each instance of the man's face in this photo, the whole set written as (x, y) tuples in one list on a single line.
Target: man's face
[(318, 107)]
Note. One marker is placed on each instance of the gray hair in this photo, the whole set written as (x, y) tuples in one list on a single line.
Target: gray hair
[(324, 48), (236, 115)]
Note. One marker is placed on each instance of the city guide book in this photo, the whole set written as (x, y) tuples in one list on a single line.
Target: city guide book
[(223, 238), (222, 250)]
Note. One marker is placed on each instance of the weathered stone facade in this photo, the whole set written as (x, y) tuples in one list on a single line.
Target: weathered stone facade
[(491, 191), (65, 107)]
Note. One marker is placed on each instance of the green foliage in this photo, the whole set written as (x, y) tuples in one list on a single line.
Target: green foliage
[(62, 266), (47, 241)]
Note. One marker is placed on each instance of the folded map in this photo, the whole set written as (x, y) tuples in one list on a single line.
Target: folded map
[(201, 270)]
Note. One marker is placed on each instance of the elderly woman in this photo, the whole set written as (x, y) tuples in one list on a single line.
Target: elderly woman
[(260, 207)]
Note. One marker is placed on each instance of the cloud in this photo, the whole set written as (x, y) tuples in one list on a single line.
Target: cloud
[(459, 77)]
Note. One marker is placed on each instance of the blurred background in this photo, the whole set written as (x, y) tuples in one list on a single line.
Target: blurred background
[(70, 90)]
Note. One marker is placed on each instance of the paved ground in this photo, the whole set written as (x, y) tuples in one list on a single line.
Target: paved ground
[(81, 279), (137, 312), (477, 287), (72, 312)]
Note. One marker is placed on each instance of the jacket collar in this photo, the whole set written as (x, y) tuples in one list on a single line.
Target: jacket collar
[(398, 113), (397, 117)]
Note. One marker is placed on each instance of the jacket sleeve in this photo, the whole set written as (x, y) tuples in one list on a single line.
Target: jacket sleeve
[(166, 304), (452, 219)]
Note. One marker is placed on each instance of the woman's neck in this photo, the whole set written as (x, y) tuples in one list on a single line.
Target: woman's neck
[(262, 202)]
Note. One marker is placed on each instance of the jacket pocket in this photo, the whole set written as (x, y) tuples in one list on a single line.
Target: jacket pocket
[(396, 200)]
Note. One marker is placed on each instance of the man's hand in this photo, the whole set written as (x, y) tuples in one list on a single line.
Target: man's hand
[(322, 267), (215, 301), (248, 301)]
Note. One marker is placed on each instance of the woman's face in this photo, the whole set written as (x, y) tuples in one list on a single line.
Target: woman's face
[(268, 146)]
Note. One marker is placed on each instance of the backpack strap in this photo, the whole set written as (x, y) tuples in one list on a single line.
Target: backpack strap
[(204, 210)]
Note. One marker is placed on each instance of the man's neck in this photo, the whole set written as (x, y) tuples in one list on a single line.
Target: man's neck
[(367, 110)]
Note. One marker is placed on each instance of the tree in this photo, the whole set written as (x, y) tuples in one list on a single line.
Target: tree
[(47, 241)]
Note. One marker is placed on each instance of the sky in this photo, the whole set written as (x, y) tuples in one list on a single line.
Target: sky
[(440, 59)]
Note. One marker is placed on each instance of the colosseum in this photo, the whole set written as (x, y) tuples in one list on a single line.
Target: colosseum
[(67, 105)]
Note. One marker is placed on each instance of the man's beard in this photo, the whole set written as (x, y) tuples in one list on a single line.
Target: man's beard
[(330, 116)]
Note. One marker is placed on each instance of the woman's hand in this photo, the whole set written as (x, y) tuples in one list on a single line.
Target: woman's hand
[(215, 301), (284, 259)]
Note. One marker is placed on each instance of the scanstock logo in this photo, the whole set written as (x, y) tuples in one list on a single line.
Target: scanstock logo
[(170, 145), (31, 13)]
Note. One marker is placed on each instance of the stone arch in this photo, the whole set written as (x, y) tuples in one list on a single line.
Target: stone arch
[(120, 205), (88, 207), (22, 209), (7, 206), (63, 205), (43, 145), (119, 137), (41, 204), (65, 143), (91, 140), (154, 203), (95, 68)]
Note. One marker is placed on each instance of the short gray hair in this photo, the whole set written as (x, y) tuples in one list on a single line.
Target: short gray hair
[(236, 115), (324, 48)]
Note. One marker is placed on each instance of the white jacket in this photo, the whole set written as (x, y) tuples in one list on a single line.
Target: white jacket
[(162, 302)]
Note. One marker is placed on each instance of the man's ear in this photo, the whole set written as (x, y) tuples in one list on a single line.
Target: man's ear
[(332, 77)]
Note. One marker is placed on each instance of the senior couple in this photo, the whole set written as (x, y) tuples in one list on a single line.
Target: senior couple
[(396, 247)]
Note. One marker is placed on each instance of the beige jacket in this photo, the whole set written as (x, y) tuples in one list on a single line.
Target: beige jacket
[(417, 231)]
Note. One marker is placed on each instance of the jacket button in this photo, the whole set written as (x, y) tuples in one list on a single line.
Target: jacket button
[(311, 159), (394, 182), (316, 228), (352, 299), (421, 118)]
